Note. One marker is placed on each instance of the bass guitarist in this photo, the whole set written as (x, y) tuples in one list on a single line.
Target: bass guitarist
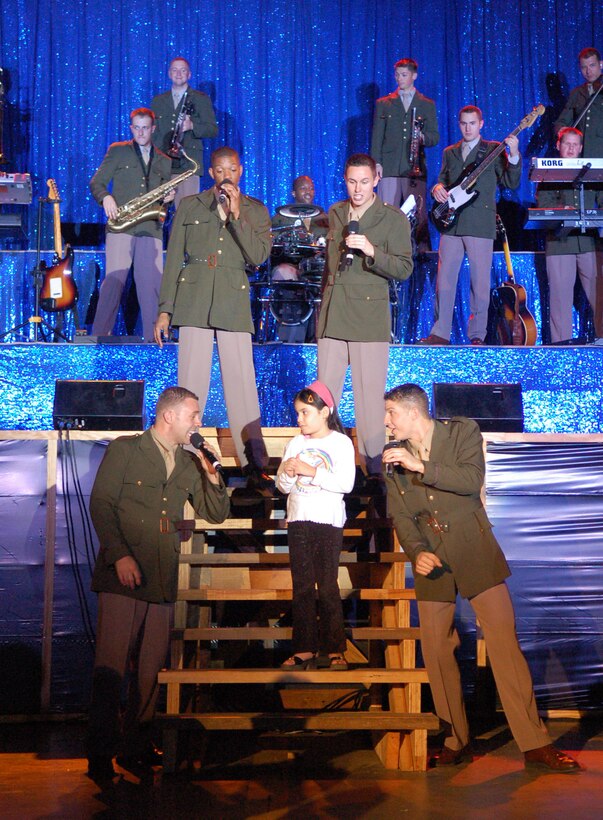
[(474, 228)]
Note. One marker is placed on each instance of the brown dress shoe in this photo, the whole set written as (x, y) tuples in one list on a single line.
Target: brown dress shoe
[(477, 341), (549, 758), (433, 339), (452, 757)]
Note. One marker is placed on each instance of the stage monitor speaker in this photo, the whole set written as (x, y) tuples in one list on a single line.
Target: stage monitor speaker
[(497, 408), (99, 405)]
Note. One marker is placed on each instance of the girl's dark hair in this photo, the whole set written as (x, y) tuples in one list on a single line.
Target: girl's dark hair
[(307, 396)]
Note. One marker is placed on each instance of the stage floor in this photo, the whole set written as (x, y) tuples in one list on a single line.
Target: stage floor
[(562, 386)]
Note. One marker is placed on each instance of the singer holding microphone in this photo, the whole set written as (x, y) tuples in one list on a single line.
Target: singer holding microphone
[(434, 476), (137, 499), (368, 244), (205, 293)]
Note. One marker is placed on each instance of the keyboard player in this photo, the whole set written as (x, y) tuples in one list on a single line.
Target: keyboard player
[(570, 252)]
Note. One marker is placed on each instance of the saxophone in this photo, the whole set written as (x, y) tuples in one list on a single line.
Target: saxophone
[(142, 208)]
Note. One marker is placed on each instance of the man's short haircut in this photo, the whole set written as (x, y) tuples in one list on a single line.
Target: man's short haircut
[(410, 393), (301, 178), (224, 151), (471, 109), (407, 62), (142, 112), (180, 59), (563, 132), (171, 397), (589, 52), (360, 161)]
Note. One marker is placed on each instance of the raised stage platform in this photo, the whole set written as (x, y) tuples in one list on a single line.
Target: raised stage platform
[(562, 386)]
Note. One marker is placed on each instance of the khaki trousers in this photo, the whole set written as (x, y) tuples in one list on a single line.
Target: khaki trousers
[(439, 640), (369, 362), (235, 352)]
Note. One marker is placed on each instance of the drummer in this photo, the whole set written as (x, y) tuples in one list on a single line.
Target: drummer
[(302, 227), (303, 194)]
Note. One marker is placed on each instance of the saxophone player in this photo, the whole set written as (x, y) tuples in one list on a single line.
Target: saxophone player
[(131, 169)]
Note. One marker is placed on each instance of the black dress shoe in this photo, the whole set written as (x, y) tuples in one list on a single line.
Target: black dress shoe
[(551, 759), (452, 757), (100, 769)]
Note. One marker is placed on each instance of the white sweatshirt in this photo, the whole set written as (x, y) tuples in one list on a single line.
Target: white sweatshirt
[(319, 499)]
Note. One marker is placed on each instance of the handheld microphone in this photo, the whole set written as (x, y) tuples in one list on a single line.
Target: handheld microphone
[(198, 442), (389, 467), (352, 228), (223, 196)]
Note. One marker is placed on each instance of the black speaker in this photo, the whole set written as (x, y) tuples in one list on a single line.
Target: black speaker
[(99, 405), (497, 408)]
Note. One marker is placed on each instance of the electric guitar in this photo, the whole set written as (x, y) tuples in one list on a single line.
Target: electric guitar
[(59, 291), (444, 214), (515, 325)]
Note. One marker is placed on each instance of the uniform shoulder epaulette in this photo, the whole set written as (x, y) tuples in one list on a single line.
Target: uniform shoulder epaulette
[(254, 199)]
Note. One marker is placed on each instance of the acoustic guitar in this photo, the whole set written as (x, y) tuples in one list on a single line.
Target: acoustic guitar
[(515, 325), (444, 214), (59, 291)]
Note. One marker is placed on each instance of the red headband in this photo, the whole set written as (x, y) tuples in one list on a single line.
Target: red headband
[(323, 391)]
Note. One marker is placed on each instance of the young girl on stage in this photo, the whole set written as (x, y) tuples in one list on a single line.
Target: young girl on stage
[(317, 469)]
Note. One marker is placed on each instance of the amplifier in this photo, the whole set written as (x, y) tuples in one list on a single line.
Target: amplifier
[(497, 408), (99, 405), (15, 189)]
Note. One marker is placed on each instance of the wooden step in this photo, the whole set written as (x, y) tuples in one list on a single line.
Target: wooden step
[(325, 721), (216, 559), (276, 524), (213, 594), (362, 675), (284, 633)]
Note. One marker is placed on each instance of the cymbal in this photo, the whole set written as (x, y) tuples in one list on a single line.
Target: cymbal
[(297, 211)]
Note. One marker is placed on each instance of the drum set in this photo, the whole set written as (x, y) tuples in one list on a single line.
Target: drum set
[(286, 289)]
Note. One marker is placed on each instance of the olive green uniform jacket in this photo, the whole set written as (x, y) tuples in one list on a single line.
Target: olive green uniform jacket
[(591, 123), (135, 508), (355, 303), (122, 168), (392, 133), (204, 126), (449, 494), (204, 282)]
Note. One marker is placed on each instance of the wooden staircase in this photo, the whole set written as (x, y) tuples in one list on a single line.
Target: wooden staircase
[(379, 693)]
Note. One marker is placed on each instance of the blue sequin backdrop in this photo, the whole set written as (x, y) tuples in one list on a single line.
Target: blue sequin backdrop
[(293, 83)]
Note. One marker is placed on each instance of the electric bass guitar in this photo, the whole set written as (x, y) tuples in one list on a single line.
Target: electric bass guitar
[(515, 324), (444, 214), (59, 291)]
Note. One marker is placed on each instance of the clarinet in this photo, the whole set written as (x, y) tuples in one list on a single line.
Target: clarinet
[(177, 134), (414, 153)]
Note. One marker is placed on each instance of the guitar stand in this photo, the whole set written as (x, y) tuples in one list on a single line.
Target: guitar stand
[(36, 321)]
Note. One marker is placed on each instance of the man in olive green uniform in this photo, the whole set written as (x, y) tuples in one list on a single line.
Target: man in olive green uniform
[(205, 293), (391, 142), (137, 499), (571, 252), (195, 126), (474, 229), (434, 475), (575, 114), (131, 169), (354, 326)]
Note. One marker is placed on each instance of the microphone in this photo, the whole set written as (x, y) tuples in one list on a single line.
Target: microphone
[(389, 467), (352, 228), (223, 196), (198, 442)]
